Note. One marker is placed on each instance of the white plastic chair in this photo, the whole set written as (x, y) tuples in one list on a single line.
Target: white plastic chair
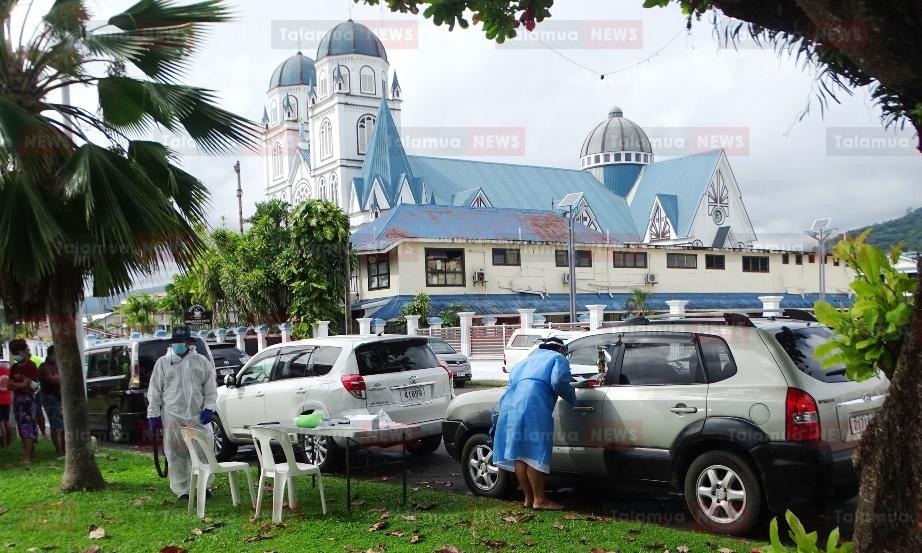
[(196, 442), (282, 474)]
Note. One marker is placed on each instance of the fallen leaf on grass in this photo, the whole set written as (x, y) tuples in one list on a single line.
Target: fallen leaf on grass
[(197, 531), (726, 550), (380, 525), (630, 538), (256, 538), (494, 544), (597, 550), (417, 538), (596, 518), (755, 550), (449, 549), (525, 532), (380, 548), (558, 525), (93, 549), (410, 518), (466, 523), (110, 458), (517, 518), (684, 549), (584, 540), (529, 543), (424, 506), (97, 532), (358, 502), (571, 516), (138, 501), (3, 510), (104, 517), (397, 533), (172, 549)]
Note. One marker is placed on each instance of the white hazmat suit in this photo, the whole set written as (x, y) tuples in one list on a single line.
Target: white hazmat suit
[(180, 389)]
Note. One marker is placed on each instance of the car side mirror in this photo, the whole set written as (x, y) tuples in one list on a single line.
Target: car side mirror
[(229, 381)]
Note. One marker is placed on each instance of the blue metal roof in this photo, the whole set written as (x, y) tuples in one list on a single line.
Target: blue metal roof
[(296, 70), (386, 161), (685, 177), (670, 205), (526, 187), (507, 304), (620, 178), (442, 222), (350, 37)]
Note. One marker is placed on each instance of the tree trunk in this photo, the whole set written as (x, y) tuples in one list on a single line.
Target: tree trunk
[(889, 460), (80, 470)]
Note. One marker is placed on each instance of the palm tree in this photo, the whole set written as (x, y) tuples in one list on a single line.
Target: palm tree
[(139, 311), (81, 198), (637, 302)]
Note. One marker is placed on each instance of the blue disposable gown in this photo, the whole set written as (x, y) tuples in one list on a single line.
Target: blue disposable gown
[(525, 427)]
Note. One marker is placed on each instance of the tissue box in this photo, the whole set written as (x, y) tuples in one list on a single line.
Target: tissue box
[(365, 422)]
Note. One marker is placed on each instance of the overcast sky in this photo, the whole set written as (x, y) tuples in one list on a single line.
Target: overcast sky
[(789, 171)]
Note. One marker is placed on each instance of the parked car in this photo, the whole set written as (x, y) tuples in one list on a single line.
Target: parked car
[(523, 340), (117, 374), (458, 364), (734, 412), (228, 359), (339, 376)]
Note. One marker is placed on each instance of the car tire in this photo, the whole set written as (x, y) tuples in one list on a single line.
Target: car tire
[(481, 476), (723, 493), (425, 446), (117, 433), (460, 383), (224, 448), (321, 451)]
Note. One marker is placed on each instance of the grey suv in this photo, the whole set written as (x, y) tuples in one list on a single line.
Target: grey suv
[(731, 410)]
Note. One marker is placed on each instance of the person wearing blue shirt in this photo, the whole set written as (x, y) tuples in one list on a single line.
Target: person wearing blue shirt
[(524, 430)]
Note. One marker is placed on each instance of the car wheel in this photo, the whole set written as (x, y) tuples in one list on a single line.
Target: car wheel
[(224, 448), (321, 451), (460, 383), (481, 475), (425, 446), (723, 493), (117, 432)]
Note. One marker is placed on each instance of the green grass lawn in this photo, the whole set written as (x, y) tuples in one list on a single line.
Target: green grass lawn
[(138, 513)]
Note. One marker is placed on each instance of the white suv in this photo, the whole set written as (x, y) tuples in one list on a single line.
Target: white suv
[(339, 376), (733, 411)]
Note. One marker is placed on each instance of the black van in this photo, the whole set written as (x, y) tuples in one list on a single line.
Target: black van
[(117, 373)]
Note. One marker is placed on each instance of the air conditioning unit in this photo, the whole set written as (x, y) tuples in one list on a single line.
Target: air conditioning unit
[(480, 276), (566, 278), (651, 278)]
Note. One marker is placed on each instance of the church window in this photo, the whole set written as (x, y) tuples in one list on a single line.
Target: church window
[(367, 80), (323, 84), (365, 127), (343, 85), (718, 196), (277, 160), (326, 139), (323, 188), (659, 225), (334, 189), (302, 192), (618, 157), (628, 157), (607, 158), (291, 109), (596, 159)]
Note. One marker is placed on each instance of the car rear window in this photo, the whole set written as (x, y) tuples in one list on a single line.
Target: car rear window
[(441, 346), (394, 356), (230, 353), (306, 361), (151, 350), (800, 345), (525, 340)]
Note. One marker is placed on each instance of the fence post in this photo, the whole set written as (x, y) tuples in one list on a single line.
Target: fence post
[(323, 329), (677, 308), (467, 318), (526, 317), (240, 334), (412, 324), (364, 325), (285, 329), (434, 322), (261, 332), (596, 316), (771, 305)]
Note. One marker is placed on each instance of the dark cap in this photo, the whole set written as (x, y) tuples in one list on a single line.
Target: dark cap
[(180, 334), (553, 343)]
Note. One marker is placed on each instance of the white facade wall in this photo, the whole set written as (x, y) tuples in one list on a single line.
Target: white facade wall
[(538, 272)]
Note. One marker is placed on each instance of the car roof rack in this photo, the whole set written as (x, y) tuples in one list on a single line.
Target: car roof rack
[(729, 317)]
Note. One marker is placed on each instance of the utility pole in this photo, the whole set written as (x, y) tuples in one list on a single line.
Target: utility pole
[(821, 231), (239, 195), (571, 259), (347, 328)]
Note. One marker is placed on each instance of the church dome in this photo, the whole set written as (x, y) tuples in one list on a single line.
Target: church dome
[(616, 140), (296, 70), (350, 37)]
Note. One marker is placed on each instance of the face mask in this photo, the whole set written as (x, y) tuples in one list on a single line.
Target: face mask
[(18, 358), (179, 349)]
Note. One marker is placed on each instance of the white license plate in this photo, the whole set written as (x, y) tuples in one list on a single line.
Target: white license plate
[(413, 394), (225, 372), (859, 423)]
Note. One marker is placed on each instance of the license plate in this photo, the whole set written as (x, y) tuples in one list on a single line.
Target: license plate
[(859, 423), (412, 394), (225, 372)]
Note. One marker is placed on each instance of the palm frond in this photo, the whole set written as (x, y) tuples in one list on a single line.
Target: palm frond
[(188, 193), (29, 142), (160, 53), (148, 14), (30, 234)]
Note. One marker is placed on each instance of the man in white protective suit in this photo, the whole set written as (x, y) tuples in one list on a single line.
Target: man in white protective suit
[(182, 392)]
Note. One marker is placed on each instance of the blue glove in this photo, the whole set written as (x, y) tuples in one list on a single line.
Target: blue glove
[(206, 416), (153, 423)]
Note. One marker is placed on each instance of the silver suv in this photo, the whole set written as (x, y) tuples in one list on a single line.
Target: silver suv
[(732, 410)]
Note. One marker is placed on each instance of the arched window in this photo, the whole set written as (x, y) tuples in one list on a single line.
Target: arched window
[(343, 86), (323, 188), (274, 112), (302, 192), (326, 139), (277, 160), (334, 189), (364, 129), (322, 79), (367, 80), (291, 107)]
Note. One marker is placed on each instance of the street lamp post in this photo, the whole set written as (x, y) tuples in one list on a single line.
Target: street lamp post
[(239, 195), (821, 231), (570, 202)]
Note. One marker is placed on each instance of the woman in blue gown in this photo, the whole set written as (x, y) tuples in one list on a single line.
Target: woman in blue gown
[(524, 432)]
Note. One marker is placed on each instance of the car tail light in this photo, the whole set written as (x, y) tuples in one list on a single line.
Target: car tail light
[(354, 384), (451, 375), (802, 418), (135, 381)]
